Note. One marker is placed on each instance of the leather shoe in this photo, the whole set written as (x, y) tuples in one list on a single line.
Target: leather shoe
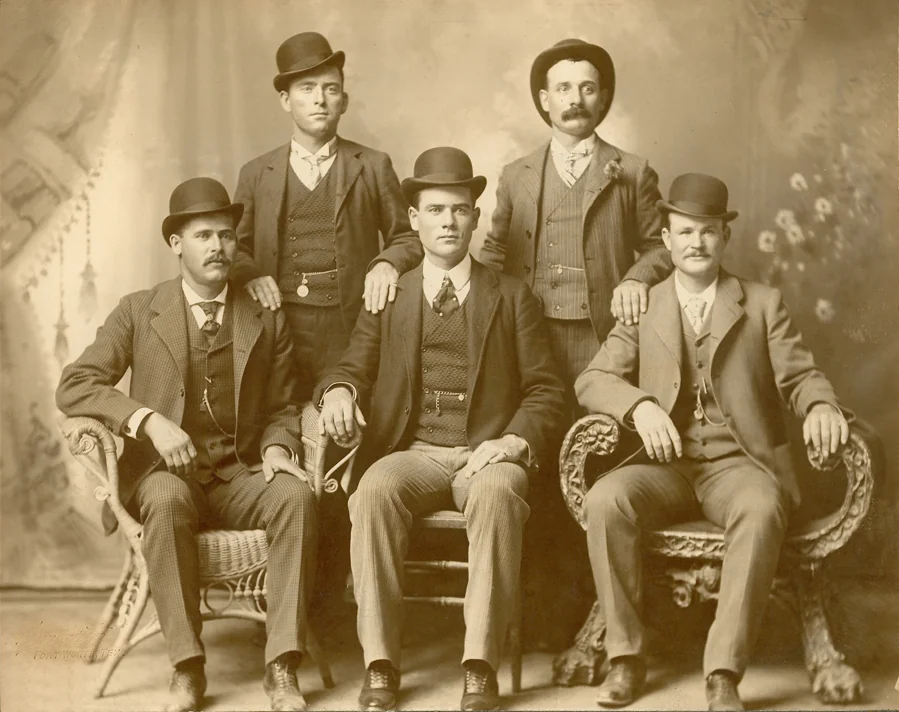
[(187, 687), (721, 692), (623, 683), (280, 684), (382, 683), (480, 691)]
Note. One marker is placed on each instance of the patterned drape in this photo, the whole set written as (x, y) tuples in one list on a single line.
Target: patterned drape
[(105, 106)]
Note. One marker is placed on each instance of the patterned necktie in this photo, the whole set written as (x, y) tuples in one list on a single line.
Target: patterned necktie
[(695, 309), (571, 158), (446, 302), (210, 326), (315, 167)]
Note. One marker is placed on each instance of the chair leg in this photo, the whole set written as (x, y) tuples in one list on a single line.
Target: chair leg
[(318, 657), (133, 610), (515, 644), (581, 663), (111, 608), (833, 681)]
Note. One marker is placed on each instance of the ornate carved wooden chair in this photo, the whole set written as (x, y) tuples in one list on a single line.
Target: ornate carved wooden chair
[(232, 562), (451, 520), (697, 549)]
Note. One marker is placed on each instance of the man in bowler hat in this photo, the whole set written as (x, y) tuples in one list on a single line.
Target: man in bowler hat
[(212, 436), (455, 391), (700, 380)]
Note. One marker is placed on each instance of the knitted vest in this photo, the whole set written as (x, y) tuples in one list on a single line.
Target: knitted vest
[(702, 440), (443, 413), (560, 238), (211, 367), (307, 242)]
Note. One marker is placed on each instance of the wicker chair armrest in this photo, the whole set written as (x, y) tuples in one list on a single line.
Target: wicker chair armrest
[(314, 448), (595, 434), (93, 446)]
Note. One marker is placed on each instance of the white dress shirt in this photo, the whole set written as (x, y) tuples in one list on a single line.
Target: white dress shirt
[(572, 164), (707, 295), (432, 278), (303, 168)]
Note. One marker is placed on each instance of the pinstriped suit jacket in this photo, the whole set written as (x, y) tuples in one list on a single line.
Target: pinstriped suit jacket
[(619, 219), (758, 362), (147, 332)]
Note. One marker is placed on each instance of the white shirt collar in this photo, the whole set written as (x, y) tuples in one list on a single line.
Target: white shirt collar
[(707, 294), (459, 275), (194, 298), (327, 150), (585, 146)]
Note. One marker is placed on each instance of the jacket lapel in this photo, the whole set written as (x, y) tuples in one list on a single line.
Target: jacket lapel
[(348, 169), (407, 309), (726, 311), (483, 301), (664, 318), (532, 175), (271, 193), (595, 178), (247, 327), (170, 323)]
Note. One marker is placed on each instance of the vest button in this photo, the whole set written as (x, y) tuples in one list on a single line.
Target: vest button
[(584, 306), (676, 384), (695, 386), (296, 272), (699, 364), (296, 254), (329, 297), (528, 233), (293, 238), (430, 429), (424, 370), (551, 244), (406, 410), (527, 269), (427, 410), (427, 390), (333, 276), (554, 285), (557, 307)]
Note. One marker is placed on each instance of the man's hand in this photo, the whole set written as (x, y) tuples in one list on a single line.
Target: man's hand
[(660, 438), (276, 459), (380, 285), (265, 291), (629, 300), (171, 442), (825, 429), (508, 448), (340, 418)]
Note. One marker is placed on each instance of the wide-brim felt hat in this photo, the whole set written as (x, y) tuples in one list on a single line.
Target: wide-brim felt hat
[(699, 196), (303, 53), (195, 197), (443, 166), (576, 50)]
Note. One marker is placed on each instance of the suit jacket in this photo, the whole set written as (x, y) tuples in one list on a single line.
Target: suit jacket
[(513, 384), (619, 219), (367, 200), (147, 332), (758, 363)]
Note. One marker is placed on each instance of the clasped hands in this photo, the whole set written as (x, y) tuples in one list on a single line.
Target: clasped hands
[(824, 429)]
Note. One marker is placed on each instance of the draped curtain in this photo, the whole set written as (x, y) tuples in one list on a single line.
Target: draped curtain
[(105, 106)]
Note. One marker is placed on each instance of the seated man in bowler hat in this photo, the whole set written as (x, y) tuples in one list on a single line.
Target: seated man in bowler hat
[(456, 393), (701, 379), (212, 436)]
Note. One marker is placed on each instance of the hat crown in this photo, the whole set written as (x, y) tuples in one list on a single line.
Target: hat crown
[(444, 161), (699, 193), (206, 193), (304, 49)]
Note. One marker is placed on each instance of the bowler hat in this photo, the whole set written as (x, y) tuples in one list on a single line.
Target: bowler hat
[(302, 53), (443, 166), (699, 196), (198, 196), (576, 50)]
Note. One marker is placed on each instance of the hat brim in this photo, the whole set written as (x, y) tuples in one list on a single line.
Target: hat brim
[(174, 221), (411, 186), (594, 54), (663, 206), (337, 60)]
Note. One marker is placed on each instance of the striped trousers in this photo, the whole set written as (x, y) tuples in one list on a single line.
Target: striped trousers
[(405, 485)]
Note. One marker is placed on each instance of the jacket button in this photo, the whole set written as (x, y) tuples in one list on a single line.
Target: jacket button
[(584, 306), (527, 269), (676, 384), (528, 233), (406, 410)]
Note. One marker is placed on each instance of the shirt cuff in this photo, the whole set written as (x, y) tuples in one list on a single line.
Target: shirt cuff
[(529, 460), (628, 420), (340, 384), (132, 425)]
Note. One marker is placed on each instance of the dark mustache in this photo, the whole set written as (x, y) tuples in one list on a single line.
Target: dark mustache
[(575, 112), (217, 260)]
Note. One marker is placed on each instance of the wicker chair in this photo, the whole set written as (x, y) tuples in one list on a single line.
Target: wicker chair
[(451, 520), (233, 562), (698, 549)]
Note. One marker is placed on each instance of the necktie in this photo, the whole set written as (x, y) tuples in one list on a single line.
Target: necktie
[(571, 158), (695, 309), (446, 303), (210, 326), (315, 167)]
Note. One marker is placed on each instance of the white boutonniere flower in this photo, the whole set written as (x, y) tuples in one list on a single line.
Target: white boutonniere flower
[(613, 169)]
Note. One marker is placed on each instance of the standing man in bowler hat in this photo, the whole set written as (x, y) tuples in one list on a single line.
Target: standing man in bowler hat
[(460, 391), (700, 380), (212, 436)]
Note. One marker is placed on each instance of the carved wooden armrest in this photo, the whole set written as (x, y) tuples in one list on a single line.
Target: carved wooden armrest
[(595, 434), (92, 445)]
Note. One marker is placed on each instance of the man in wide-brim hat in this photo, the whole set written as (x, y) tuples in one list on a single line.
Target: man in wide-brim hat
[(196, 455), (461, 397), (700, 379)]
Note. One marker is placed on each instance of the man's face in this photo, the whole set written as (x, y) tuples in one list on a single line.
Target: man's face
[(696, 244), (206, 246), (445, 220), (573, 98), (316, 101)]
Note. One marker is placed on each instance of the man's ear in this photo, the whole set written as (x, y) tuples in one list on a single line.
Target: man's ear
[(175, 244), (475, 215), (285, 100), (345, 103), (544, 100), (726, 233), (413, 217), (666, 238)]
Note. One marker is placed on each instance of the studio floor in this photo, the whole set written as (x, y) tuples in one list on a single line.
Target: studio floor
[(42, 666)]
